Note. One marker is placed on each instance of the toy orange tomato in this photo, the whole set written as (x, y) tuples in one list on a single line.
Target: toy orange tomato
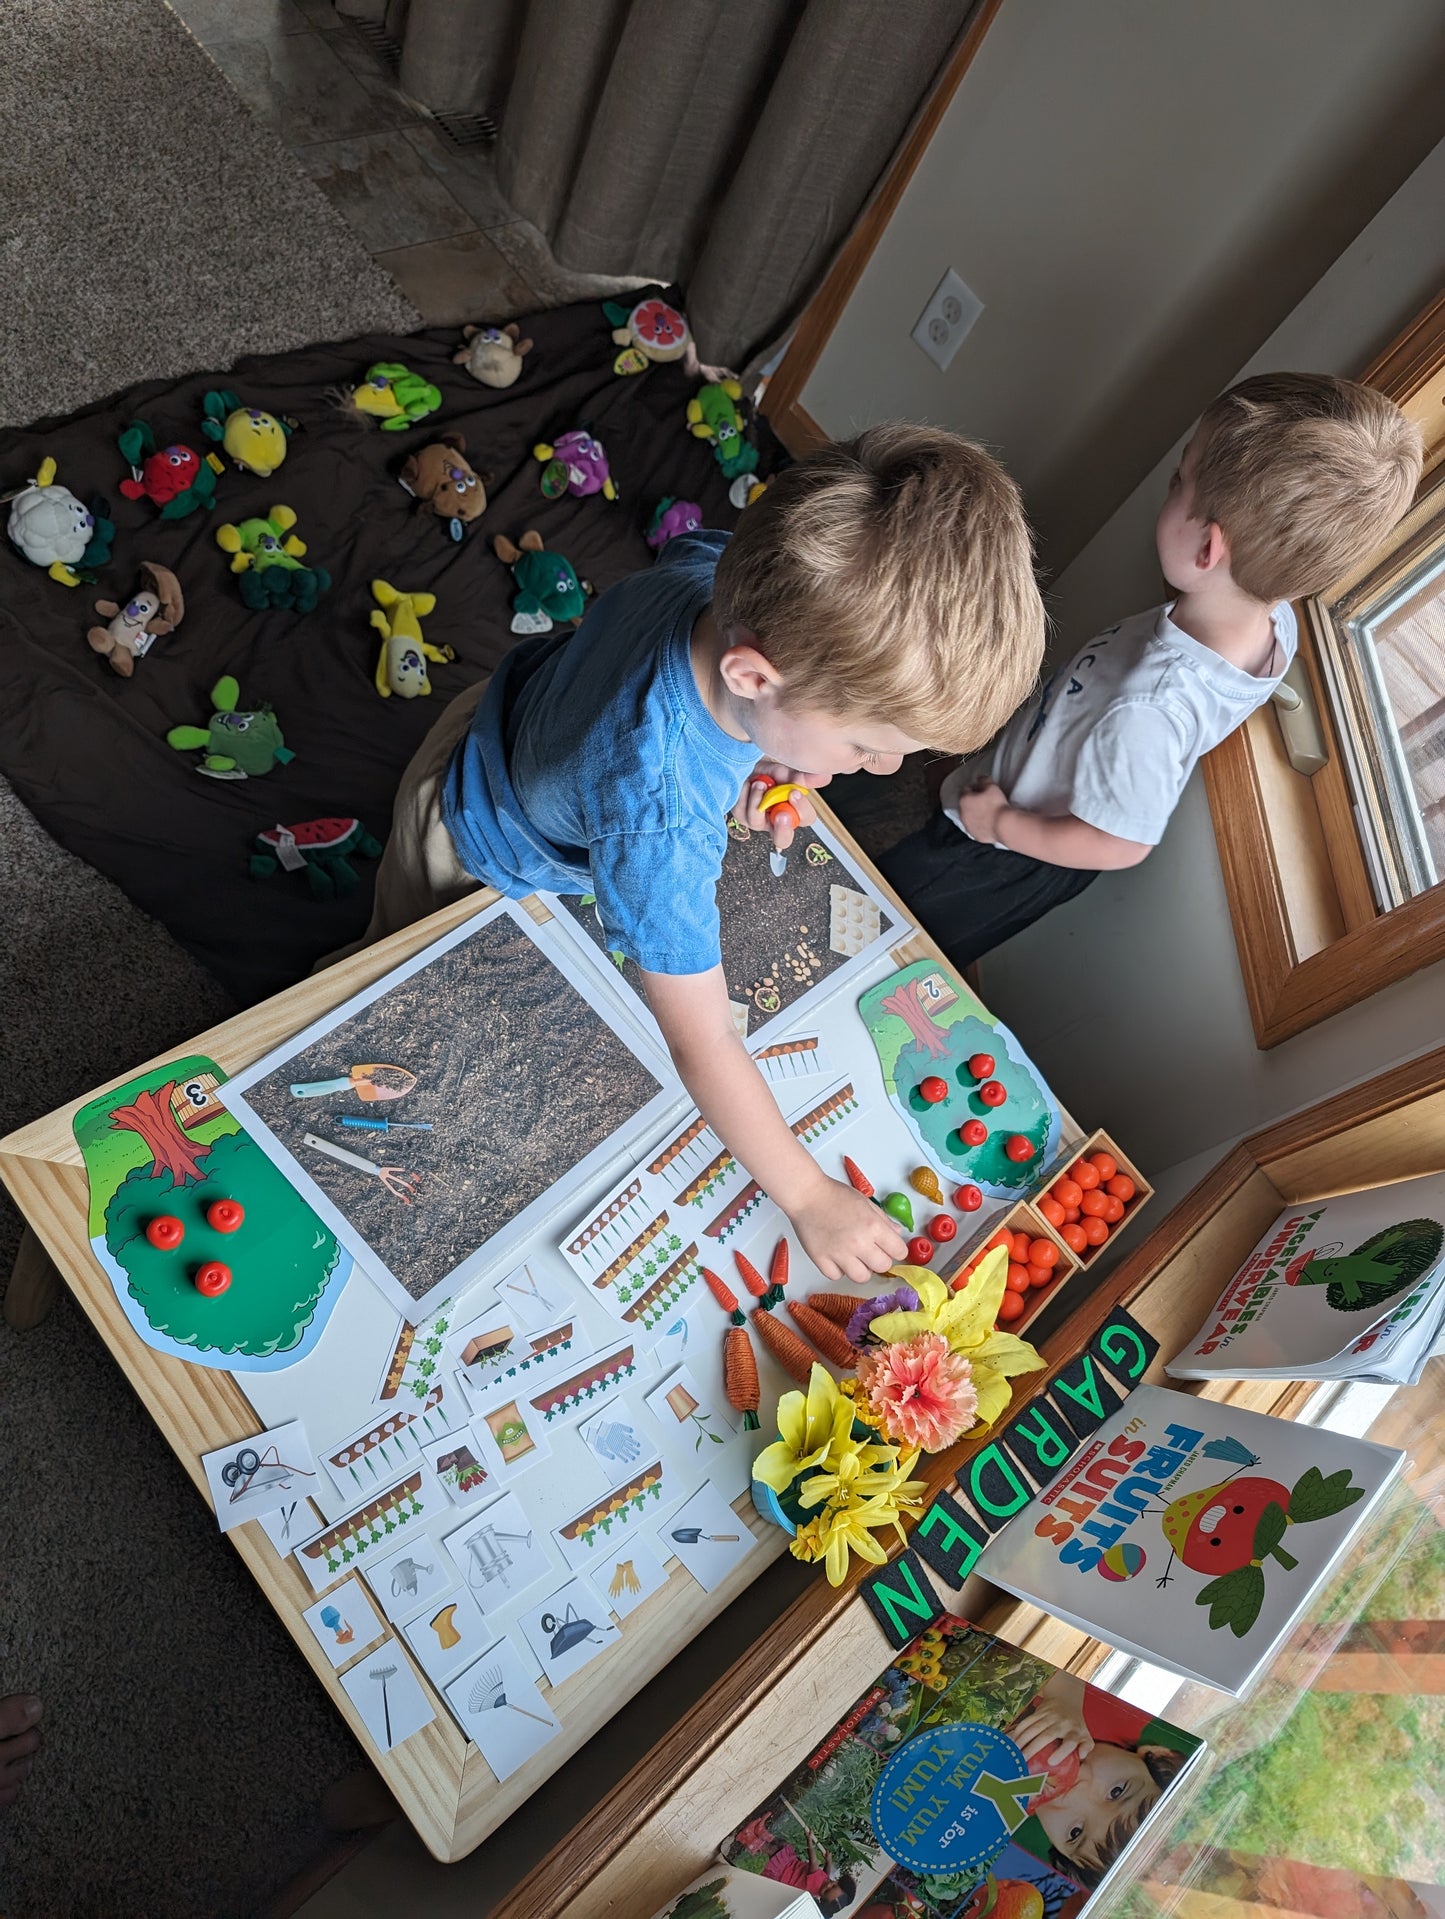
[(1043, 1252), (1019, 1247), (1016, 1279), (1051, 1210), (1039, 1275), (1002, 1238), (1092, 1205), (1071, 1213), (1095, 1231), (1067, 1192), (1104, 1164), (1084, 1175), (1075, 1237), (1011, 1306), (1122, 1187), (1113, 1210)]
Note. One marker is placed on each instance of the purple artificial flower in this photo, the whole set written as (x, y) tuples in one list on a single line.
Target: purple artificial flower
[(905, 1300)]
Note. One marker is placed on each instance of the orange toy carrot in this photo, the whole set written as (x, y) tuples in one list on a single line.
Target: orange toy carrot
[(784, 1345), (751, 1277), (857, 1177), (839, 1307), (778, 1271), (740, 1375), (724, 1295), (828, 1338)]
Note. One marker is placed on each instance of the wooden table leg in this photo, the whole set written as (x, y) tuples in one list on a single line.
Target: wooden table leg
[(34, 1285)]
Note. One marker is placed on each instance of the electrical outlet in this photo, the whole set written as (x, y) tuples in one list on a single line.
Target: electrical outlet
[(946, 321)]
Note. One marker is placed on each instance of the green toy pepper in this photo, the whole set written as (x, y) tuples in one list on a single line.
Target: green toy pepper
[(233, 745)]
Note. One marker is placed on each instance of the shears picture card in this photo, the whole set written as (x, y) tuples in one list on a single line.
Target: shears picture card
[(259, 1475)]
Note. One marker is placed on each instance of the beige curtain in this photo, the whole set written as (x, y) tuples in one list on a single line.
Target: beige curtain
[(728, 145)]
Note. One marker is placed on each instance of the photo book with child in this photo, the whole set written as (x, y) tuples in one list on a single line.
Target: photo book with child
[(1192, 1534), (1346, 1288), (970, 1781)]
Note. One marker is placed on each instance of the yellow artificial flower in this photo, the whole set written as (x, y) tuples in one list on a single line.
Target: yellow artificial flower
[(966, 1320), (845, 1526), (810, 1430)]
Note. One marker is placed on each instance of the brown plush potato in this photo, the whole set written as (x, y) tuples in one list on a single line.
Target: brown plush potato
[(444, 481)]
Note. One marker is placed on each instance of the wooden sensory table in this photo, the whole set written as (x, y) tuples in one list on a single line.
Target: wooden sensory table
[(441, 1781), (661, 1825)]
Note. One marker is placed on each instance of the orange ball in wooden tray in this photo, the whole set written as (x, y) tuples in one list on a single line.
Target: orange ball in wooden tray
[(1039, 1264), (1098, 1190)]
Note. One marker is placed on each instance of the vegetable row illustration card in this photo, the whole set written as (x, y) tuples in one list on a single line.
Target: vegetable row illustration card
[(1323, 1275), (1191, 1534), (436, 1118)]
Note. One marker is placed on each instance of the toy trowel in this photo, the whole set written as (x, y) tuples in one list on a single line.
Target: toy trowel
[(777, 806), (690, 1535), (367, 1082)]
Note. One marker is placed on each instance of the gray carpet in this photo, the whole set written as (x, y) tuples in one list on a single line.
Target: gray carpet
[(147, 226)]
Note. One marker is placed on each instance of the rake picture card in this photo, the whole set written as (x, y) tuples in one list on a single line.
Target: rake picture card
[(500, 1710), (438, 1116), (789, 939), (385, 1690), (1190, 1533)]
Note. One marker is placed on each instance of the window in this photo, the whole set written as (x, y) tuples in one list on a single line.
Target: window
[(1336, 874)]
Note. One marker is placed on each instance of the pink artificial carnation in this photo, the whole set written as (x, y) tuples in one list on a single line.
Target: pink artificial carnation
[(919, 1392)]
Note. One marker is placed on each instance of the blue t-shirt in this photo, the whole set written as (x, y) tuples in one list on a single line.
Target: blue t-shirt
[(593, 765)]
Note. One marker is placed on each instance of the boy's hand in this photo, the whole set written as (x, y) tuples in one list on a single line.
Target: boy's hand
[(845, 1235), (767, 774), (980, 809), (1057, 1714)]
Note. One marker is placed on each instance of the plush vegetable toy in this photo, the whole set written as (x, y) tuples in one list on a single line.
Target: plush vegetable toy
[(713, 415), (548, 589), (391, 393), (321, 848), (492, 354), (254, 439), (401, 668), (54, 530), (745, 489), (669, 518), (576, 464), (647, 330), (441, 479), (267, 556), (174, 478), (157, 606), (233, 745)]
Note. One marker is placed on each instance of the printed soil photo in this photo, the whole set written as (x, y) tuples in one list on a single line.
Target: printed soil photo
[(516, 1076)]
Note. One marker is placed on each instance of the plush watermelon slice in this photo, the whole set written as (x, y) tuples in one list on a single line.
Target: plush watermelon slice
[(313, 835)]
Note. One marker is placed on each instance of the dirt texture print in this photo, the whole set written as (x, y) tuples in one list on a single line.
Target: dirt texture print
[(433, 1116)]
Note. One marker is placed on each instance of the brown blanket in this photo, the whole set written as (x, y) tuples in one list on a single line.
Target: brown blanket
[(86, 749)]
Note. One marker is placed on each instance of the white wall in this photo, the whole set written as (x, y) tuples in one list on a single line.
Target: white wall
[(1130, 997), (1138, 190)]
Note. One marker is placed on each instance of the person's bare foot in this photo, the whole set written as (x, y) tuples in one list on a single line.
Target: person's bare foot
[(19, 1742)]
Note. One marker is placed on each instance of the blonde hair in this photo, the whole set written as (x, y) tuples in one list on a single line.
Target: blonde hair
[(892, 575), (1304, 474)]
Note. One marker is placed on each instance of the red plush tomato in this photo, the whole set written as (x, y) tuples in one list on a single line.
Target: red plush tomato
[(1212, 1531)]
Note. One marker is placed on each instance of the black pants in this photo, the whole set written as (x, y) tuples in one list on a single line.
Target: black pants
[(972, 897)]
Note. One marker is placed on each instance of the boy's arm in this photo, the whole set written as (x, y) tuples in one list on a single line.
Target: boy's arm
[(989, 816), (845, 1235)]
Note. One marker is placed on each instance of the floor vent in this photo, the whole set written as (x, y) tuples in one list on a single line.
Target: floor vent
[(466, 129)]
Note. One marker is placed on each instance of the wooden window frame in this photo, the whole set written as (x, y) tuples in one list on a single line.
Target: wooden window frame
[(1310, 937)]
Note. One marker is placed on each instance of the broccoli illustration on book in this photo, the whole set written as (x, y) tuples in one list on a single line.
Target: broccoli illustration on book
[(1234, 1526), (1381, 1266)]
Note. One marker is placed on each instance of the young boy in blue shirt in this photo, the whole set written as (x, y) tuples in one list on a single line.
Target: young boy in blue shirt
[(1289, 481), (879, 597)]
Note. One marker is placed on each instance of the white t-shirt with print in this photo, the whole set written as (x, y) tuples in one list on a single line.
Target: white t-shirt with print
[(1114, 735)]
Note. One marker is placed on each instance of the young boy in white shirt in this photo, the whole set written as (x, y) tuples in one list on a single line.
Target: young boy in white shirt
[(1289, 480)]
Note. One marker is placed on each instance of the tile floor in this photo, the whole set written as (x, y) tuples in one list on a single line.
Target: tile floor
[(428, 211)]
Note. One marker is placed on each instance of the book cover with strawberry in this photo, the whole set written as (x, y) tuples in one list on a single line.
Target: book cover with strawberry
[(1321, 1280), (1190, 1533), (971, 1780)]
